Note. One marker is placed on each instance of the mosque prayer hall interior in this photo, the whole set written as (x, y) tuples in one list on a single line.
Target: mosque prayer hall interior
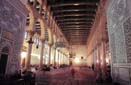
[(65, 42)]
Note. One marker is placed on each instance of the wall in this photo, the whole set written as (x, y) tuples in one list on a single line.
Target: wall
[(119, 30), (12, 24), (97, 36)]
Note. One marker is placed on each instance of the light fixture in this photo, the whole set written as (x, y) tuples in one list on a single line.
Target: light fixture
[(76, 15), (97, 61), (76, 4), (107, 60), (77, 60), (23, 55)]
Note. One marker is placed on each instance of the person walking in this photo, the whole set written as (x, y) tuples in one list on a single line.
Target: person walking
[(73, 72)]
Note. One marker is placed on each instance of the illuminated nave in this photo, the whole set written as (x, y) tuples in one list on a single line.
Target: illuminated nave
[(65, 42)]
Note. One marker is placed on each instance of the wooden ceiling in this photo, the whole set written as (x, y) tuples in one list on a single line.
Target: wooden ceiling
[(74, 17)]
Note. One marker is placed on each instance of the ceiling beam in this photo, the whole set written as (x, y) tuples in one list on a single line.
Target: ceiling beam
[(71, 21), (88, 7), (75, 25), (67, 29), (76, 22), (74, 10), (70, 15), (76, 34), (74, 19), (75, 28), (73, 3)]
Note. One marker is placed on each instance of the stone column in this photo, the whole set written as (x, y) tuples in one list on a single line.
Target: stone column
[(49, 59), (103, 57), (58, 58), (42, 52), (54, 56), (28, 58), (63, 58), (98, 60)]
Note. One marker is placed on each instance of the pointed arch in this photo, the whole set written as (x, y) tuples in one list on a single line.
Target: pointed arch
[(42, 26), (31, 16), (5, 51)]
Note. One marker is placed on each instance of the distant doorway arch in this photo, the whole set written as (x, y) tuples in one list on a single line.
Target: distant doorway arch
[(3, 59)]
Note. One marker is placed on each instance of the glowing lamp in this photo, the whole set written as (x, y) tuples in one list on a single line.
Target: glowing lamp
[(76, 4), (77, 60), (107, 60), (97, 61), (23, 55)]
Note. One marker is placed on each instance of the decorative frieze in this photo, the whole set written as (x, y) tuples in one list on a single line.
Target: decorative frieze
[(119, 30), (118, 12), (8, 14), (127, 31), (120, 45), (11, 32), (7, 35), (113, 48)]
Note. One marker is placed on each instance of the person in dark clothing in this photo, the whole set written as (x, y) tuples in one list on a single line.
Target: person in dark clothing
[(93, 67), (73, 72)]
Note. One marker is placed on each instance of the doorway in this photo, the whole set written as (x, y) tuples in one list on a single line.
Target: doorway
[(3, 60)]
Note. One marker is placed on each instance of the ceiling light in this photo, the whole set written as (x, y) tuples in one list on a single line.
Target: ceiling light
[(77, 60), (76, 15), (76, 10), (76, 4)]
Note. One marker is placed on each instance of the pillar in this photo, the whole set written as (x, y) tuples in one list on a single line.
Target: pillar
[(63, 58), (28, 58), (41, 55), (103, 57), (98, 60), (49, 59), (58, 57), (54, 56)]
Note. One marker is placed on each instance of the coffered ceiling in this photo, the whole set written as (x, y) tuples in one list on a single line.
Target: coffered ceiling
[(74, 17)]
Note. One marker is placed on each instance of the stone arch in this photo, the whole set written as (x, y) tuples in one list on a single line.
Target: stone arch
[(32, 22), (42, 26), (31, 15), (5, 53)]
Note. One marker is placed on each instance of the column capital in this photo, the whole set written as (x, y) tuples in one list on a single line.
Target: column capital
[(31, 32), (58, 50), (30, 41), (50, 44), (42, 40)]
